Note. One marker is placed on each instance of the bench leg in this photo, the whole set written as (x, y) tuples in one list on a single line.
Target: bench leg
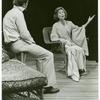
[(40, 93)]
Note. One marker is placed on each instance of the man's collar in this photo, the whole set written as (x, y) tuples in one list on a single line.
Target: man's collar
[(20, 8)]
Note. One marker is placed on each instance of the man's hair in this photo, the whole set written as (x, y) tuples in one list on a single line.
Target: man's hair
[(55, 16), (19, 2)]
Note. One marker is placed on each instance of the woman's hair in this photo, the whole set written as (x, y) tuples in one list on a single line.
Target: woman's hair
[(55, 16), (19, 2)]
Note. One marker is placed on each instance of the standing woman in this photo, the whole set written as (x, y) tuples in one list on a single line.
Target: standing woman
[(74, 40)]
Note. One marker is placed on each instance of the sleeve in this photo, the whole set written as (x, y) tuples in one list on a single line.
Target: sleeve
[(22, 28), (73, 26), (54, 36)]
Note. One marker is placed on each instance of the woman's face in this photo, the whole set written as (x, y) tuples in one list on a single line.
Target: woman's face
[(61, 14)]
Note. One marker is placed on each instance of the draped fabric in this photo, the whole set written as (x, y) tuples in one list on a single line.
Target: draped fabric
[(79, 38)]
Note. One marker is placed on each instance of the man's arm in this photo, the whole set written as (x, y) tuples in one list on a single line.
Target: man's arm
[(22, 28)]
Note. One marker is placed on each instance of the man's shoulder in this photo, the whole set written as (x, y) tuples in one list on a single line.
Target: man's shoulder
[(13, 12), (16, 11)]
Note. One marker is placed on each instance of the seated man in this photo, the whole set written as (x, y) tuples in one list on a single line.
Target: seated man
[(17, 36)]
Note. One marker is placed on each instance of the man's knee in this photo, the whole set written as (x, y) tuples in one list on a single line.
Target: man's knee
[(50, 55)]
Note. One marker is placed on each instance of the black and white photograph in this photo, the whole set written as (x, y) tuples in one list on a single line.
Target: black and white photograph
[(49, 49)]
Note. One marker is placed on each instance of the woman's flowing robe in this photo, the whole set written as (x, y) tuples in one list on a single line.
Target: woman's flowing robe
[(75, 46)]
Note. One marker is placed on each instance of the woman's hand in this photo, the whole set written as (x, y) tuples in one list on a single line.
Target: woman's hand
[(67, 43), (89, 20), (64, 42)]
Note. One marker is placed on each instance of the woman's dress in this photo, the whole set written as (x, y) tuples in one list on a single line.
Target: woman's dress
[(75, 43)]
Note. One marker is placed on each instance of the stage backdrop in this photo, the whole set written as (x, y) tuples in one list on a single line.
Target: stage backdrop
[(40, 14)]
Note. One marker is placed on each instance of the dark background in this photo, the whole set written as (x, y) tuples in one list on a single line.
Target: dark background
[(40, 14)]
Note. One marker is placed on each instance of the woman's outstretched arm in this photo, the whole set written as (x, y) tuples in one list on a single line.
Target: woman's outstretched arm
[(89, 20)]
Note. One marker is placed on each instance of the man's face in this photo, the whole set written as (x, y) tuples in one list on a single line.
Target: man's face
[(26, 4)]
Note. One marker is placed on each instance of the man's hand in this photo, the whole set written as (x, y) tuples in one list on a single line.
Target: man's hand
[(30, 42)]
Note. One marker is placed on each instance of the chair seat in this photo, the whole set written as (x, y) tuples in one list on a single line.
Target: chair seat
[(55, 46), (17, 77)]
